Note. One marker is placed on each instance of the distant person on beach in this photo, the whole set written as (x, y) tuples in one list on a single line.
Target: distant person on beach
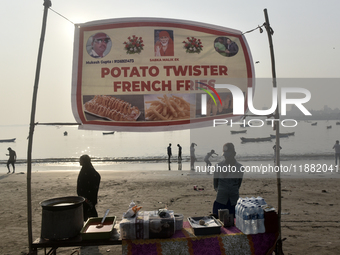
[(227, 183), (88, 186), (207, 157), (192, 156), (336, 147), (179, 152), (169, 152), (12, 158), (274, 148)]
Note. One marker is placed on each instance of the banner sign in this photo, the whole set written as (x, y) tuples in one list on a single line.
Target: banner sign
[(152, 74)]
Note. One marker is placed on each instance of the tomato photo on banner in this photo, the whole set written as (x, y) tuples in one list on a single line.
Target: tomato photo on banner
[(152, 74)]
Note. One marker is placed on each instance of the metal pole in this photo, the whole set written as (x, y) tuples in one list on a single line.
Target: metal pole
[(277, 116), (47, 4)]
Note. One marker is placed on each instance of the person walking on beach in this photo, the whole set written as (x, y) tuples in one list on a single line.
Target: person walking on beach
[(88, 186), (179, 152), (227, 183), (12, 158), (207, 157), (192, 156), (169, 153), (207, 160), (336, 147)]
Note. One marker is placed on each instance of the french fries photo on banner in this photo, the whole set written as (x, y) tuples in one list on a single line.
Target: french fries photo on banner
[(170, 107)]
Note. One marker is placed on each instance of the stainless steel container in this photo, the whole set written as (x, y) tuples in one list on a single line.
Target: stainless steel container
[(179, 221), (223, 215), (62, 218)]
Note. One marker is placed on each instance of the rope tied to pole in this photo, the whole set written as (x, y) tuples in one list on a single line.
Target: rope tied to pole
[(258, 27), (268, 28), (62, 16)]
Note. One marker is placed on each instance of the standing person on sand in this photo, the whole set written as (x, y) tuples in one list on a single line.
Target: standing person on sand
[(12, 158), (227, 183), (336, 147), (179, 152), (169, 152), (192, 156), (88, 186)]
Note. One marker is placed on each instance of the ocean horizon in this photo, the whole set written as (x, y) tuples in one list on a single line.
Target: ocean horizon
[(50, 145)]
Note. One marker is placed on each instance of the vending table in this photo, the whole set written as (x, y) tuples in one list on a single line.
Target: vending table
[(230, 241)]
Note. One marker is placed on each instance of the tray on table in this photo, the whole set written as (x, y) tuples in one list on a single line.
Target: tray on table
[(212, 228), (90, 231)]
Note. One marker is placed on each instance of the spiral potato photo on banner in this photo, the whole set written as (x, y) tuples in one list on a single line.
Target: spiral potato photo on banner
[(112, 108)]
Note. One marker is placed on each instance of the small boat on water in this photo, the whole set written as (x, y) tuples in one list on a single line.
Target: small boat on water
[(328, 127), (7, 140), (108, 133), (258, 139), (314, 124), (337, 123), (238, 131), (283, 134)]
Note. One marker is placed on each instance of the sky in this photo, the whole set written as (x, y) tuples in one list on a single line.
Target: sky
[(306, 45)]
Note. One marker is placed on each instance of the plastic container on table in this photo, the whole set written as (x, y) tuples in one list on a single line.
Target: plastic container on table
[(90, 231), (211, 229)]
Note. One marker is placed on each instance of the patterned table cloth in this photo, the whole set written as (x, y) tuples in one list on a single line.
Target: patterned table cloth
[(184, 242)]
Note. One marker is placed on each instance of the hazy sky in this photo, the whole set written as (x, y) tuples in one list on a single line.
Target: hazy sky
[(306, 43)]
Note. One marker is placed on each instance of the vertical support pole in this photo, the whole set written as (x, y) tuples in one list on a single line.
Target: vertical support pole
[(47, 4), (277, 128)]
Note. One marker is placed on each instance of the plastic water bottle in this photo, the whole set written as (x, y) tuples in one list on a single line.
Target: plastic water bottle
[(261, 201), (260, 220), (237, 209), (239, 221), (246, 221), (253, 220), (237, 212)]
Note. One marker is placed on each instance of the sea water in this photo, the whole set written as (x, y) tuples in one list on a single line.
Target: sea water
[(49, 143)]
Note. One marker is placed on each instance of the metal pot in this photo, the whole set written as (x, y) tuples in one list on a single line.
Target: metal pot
[(62, 218)]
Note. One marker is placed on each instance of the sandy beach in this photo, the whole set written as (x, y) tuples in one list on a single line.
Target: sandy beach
[(310, 208)]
